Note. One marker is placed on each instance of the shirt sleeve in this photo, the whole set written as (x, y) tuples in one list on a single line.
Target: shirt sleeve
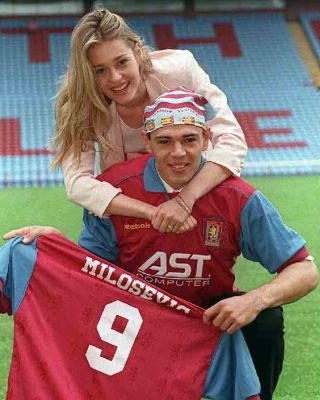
[(17, 262), (81, 185), (264, 236), (229, 145), (99, 237), (231, 375)]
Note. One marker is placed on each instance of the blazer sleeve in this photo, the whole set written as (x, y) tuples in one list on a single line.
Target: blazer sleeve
[(81, 185), (229, 145)]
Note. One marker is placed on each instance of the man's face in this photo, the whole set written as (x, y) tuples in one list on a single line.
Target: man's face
[(177, 150)]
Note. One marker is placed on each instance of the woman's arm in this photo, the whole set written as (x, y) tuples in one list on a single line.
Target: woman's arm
[(124, 205), (171, 213), (226, 155), (81, 185), (179, 68), (101, 198), (211, 175)]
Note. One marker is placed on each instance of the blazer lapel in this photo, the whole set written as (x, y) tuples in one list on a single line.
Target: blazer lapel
[(154, 86)]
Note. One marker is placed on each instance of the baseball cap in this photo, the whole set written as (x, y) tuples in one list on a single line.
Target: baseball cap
[(177, 107)]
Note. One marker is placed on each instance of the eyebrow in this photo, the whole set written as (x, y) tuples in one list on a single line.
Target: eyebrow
[(170, 137), (115, 59)]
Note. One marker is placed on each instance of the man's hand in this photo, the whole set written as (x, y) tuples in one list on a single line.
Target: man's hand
[(233, 313), (171, 217), (29, 233)]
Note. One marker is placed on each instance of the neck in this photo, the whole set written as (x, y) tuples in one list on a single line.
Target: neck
[(165, 183), (140, 100)]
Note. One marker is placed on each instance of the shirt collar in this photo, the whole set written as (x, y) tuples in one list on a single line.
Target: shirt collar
[(152, 180)]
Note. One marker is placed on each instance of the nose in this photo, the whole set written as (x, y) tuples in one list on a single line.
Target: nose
[(114, 75), (178, 150)]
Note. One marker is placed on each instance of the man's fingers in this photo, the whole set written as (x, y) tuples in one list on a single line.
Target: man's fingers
[(187, 226), (209, 314), (176, 221), (16, 232), (232, 328), (218, 316), (225, 325), (221, 322), (31, 232)]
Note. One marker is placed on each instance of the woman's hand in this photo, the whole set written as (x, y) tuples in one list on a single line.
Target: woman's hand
[(29, 233), (171, 217)]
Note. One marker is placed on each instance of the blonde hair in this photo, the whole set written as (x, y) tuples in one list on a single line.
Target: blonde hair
[(82, 110)]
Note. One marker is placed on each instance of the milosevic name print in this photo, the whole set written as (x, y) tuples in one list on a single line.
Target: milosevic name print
[(105, 272)]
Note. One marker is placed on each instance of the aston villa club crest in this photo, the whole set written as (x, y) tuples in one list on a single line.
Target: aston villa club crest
[(213, 234)]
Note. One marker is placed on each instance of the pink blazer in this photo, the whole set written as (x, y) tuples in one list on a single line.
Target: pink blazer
[(171, 68)]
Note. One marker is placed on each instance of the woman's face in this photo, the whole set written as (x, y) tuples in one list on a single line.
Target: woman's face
[(117, 71)]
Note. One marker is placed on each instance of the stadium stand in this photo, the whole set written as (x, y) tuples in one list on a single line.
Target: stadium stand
[(251, 56), (311, 24)]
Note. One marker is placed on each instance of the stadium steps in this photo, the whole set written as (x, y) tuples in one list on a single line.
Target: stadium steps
[(305, 49)]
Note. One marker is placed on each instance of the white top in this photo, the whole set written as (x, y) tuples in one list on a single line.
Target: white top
[(132, 139)]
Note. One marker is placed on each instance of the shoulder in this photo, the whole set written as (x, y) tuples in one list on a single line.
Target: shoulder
[(231, 196), (179, 68), (124, 170), (238, 186), (164, 60)]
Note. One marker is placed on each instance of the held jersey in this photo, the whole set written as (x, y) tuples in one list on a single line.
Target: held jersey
[(232, 218), (87, 329)]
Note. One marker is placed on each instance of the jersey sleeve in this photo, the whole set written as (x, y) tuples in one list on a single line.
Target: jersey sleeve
[(17, 261), (99, 237), (264, 236), (231, 375)]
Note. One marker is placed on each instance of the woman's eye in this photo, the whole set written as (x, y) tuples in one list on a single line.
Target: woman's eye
[(123, 62), (99, 71)]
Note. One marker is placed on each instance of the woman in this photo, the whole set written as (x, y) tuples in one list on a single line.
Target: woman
[(111, 77)]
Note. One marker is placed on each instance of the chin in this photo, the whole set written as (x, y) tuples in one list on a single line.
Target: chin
[(178, 185)]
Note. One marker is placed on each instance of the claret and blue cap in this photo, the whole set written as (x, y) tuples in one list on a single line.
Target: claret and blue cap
[(177, 107)]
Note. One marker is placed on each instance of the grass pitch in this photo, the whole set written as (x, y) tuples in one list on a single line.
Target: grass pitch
[(297, 199)]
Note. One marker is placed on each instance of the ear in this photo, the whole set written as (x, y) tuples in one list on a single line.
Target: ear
[(146, 140), (138, 50), (206, 138)]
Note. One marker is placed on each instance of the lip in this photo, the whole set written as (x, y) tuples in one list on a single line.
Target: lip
[(179, 167), (123, 88)]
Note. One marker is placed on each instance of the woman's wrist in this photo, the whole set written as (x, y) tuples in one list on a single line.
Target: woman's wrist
[(183, 204), (208, 177), (189, 196), (128, 206)]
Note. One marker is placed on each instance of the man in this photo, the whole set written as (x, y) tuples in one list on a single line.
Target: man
[(233, 218), (197, 266), (85, 328)]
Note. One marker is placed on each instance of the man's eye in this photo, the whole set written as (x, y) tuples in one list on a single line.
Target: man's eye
[(163, 141)]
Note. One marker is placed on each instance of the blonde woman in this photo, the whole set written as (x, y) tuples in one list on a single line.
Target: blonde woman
[(112, 75)]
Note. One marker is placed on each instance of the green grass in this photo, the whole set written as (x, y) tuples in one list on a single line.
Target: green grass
[(297, 199)]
